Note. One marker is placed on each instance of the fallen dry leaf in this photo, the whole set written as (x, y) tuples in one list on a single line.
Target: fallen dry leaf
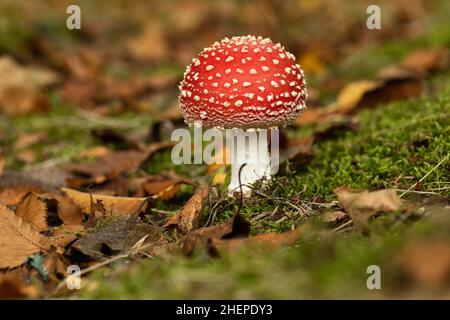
[(427, 262), (187, 219), (392, 86), (162, 186), (33, 211), (298, 150), (56, 265), (362, 205), (311, 62), (27, 156), (18, 239), (19, 91), (120, 234), (15, 100), (15, 186), (151, 44), (78, 92), (65, 234), (351, 94), (332, 217), (113, 205), (24, 75), (236, 227), (424, 61), (263, 242), (95, 152), (66, 209), (113, 164), (27, 140)]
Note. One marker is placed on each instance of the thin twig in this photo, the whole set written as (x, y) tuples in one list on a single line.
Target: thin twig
[(241, 198), (425, 176), (102, 264), (342, 226)]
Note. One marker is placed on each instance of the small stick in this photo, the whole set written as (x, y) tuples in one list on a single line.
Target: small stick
[(425, 176), (241, 198), (342, 226)]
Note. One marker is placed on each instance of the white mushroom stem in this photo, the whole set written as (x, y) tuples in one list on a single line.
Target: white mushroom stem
[(250, 148)]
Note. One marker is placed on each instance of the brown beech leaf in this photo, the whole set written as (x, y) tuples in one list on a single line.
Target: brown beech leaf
[(13, 196), (15, 186), (30, 139), (298, 150), (120, 234), (20, 91), (187, 219), (392, 89), (263, 242), (24, 75), (312, 115), (78, 92), (18, 239), (113, 205), (392, 86), (66, 209), (26, 156), (162, 186), (151, 44), (95, 152), (332, 217), (351, 95), (236, 227), (16, 100), (56, 265), (33, 211), (424, 61), (362, 205), (426, 261), (113, 164), (64, 234)]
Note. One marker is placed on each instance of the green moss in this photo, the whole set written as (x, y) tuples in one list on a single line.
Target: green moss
[(395, 146)]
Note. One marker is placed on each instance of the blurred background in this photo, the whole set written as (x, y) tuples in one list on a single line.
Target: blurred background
[(129, 56), (129, 49)]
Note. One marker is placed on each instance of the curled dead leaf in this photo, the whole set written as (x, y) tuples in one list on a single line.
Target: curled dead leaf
[(162, 186), (236, 227), (362, 205), (120, 234), (261, 242), (188, 218), (113, 205), (33, 210), (332, 217), (18, 239), (113, 164)]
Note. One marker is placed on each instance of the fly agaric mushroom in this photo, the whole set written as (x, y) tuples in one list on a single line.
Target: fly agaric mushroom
[(244, 82)]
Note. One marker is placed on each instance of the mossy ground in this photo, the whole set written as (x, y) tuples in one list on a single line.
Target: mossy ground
[(394, 147)]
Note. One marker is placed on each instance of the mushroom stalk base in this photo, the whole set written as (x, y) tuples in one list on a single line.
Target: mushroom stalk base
[(249, 148)]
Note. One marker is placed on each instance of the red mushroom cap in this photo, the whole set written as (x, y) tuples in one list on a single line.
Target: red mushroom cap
[(243, 82)]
